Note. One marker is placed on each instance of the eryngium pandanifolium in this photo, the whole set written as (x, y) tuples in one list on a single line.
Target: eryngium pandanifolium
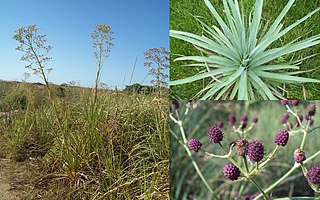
[(239, 56)]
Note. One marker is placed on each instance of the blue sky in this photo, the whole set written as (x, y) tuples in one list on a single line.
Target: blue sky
[(138, 25)]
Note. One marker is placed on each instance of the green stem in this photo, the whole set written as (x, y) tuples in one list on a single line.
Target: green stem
[(246, 164), (294, 167), (191, 156), (303, 139), (265, 196)]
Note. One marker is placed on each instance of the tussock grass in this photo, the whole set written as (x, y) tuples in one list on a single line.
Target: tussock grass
[(118, 149)]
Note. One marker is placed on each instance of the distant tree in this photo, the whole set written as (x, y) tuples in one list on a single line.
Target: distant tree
[(160, 58), (102, 43)]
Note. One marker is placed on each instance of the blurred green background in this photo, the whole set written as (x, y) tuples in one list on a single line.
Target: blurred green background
[(185, 182), (181, 19)]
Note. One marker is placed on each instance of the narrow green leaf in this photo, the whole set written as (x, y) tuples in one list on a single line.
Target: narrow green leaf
[(235, 89), (285, 78), (255, 24), (243, 87), (217, 87), (210, 60), (274, 67), (262, 85), (202, 76)]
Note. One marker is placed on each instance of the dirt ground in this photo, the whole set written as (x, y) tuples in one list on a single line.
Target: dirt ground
[(13, 180)]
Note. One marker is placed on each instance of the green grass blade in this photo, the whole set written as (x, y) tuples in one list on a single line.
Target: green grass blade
[(202, 76), (235, 90), (255, 24), (250, 91), (262, 85)]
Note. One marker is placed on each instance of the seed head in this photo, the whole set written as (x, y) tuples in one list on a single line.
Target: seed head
[(255, 120), (313, 174), (241, 147), (311, 110), (294, 102), (282, 138), (232, 119), (255, 151), (299, 156), (194, 145), (215, 134), (219, 124), (231, 172), (284, 102)]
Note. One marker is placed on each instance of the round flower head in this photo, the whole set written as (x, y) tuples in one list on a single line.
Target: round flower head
[(284, 102), (194, 145), (255, 151), (231, 172), (219, 124), (174, 104), (307, 116), (311, 110), (294, 102), (232, 119), (244, 118), (255, 120), (299, 156), (241, 147), (311, 122), (281, 138), (215, 134), (243, 125), (313, 174)]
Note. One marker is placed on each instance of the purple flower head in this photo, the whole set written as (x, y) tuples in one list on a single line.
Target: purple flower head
[(311, 110), (284, 118), (313, 174), (284, 102), (219, 124), (243, 125), (231, 172), (232, 119), (294, 102), (244, 118), (174, 104), (296, 122), (281, 138), (215, 134), (255, 120), (299, 156), (311, 122), (194, 145), (255, 151), (307, 116), (241, 147)]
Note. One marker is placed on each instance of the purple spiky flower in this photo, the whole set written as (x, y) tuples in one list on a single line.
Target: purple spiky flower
[(299, 155), (255, 120), (281, 138), (284, 118), (255, 151), (311, 110), (232, 119), (215, 134), (174, 104), (219, 124), (194, 144), (244, 118), (284, 102), (313, 174), (311, 122), (307, 116), (231, 172), (294, 102)]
